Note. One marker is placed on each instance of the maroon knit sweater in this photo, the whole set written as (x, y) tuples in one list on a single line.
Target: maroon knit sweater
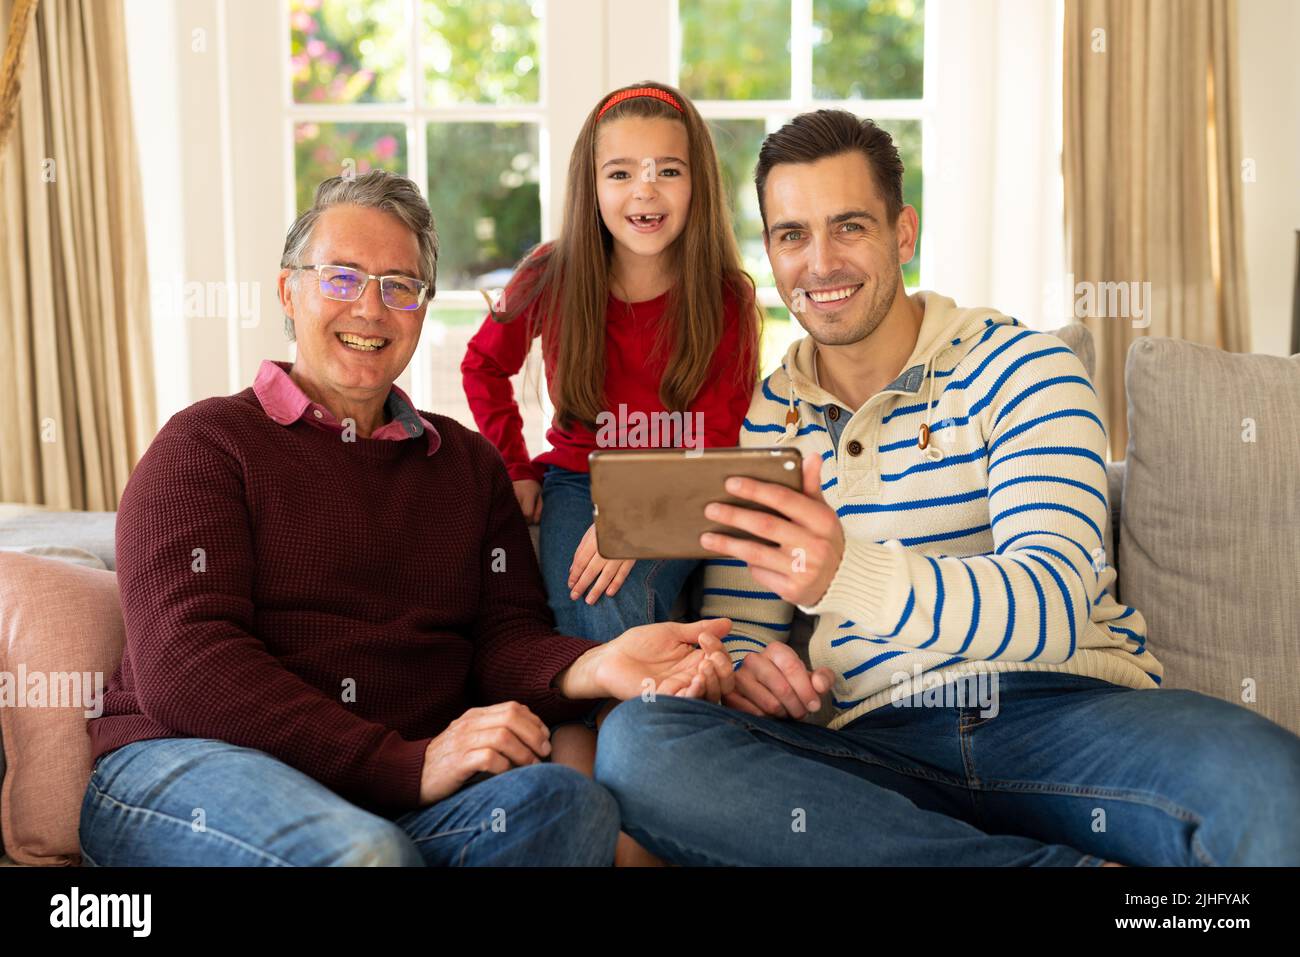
[(350, 599)]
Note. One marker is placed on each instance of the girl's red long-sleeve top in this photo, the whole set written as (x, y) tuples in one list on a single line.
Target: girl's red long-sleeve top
[(633, 373)]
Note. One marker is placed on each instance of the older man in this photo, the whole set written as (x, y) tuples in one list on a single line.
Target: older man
[(338, 646)]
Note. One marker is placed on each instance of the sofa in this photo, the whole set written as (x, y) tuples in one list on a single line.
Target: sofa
[(1204, 536)]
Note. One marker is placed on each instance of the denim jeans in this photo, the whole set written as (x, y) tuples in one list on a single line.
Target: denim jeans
[(646, 596), (197, 801), (1070, 770)]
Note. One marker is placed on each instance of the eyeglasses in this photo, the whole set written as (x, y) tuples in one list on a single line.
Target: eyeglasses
[(345, 284)]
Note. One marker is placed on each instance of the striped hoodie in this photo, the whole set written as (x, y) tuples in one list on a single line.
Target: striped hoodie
[(981, 552)]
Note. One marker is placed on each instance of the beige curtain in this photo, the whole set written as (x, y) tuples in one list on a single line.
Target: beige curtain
[(1153, 179), (76, 380)]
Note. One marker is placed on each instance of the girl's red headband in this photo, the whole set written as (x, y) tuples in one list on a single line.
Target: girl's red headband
[(622, 95)]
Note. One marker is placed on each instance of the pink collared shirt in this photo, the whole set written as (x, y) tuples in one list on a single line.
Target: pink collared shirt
[(286, 403)]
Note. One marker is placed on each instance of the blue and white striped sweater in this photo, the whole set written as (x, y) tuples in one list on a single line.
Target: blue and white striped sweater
[(984, 552)]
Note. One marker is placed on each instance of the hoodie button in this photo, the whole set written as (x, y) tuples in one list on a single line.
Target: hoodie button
[(855, 447), (833, 413)]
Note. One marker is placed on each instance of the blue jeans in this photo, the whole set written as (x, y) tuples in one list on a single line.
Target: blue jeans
[(196, 801), (645, 597), (1069, 771)]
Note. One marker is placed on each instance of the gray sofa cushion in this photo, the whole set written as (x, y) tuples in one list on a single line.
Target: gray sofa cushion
[(26, 526), (1115, 499), (1210, 541)]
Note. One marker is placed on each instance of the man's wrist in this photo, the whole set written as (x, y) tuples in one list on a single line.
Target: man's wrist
[(863, 584), (578, 680)]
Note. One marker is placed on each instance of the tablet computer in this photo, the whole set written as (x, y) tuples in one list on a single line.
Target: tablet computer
[(649, 503)]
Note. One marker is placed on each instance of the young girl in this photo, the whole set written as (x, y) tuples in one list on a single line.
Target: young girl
[(643, 307)]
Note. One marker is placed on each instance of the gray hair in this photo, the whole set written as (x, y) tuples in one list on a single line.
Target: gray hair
[(377, 189)]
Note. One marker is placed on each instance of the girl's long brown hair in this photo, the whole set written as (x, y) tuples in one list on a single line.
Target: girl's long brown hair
[(569, 279)]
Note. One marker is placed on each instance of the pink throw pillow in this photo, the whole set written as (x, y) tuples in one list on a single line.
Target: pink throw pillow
[(61, 639)]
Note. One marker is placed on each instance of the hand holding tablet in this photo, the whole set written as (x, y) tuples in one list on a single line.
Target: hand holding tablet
[(795, 542), (754, 504)]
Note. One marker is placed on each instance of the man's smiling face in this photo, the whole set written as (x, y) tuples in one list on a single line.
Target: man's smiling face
[(355, 348), (835, 256)]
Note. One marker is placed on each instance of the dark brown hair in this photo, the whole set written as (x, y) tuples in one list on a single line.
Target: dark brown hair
[(568, 280), (813, 136)]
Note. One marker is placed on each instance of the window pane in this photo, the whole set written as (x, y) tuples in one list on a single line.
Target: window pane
[(348, 52), (737, 142), (480, 51), (907, 137), (322, 150), (867, 49), (483, 188), (446, 335), (735, 49)]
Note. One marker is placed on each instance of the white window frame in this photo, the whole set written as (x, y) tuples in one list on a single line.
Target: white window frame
[(561, 22), (218, 162), (777, 112)]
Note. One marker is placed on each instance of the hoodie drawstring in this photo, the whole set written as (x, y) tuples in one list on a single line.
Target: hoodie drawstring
[(791, 416), (931, 452)]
